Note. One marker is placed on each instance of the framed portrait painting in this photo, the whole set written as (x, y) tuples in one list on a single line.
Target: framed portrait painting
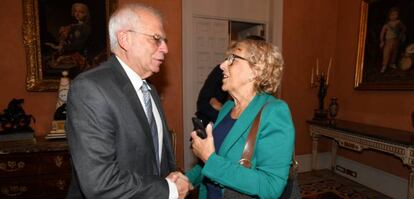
[(385, 58), (64, 35)]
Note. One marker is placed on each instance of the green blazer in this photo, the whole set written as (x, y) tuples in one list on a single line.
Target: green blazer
[(272, 154)]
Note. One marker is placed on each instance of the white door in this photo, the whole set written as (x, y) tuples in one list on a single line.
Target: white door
[(209, 41)]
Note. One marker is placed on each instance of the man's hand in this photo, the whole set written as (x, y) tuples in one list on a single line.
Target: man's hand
[(183, 187), (182, 183), (52, 45)]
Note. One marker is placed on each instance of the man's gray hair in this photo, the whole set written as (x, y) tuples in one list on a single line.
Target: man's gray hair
[(127, 17)]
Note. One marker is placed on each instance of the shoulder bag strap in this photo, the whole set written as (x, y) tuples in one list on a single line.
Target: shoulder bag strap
[(250, 142)]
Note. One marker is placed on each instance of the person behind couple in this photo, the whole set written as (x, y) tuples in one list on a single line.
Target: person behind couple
[(110, 138), (252, 73)]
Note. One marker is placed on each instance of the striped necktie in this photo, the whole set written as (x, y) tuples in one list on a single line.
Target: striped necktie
[(151, 119)]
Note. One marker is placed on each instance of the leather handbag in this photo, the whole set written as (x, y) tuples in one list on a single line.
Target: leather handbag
[(291, 191)]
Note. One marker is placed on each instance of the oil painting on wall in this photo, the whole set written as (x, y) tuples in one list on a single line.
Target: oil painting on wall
[(385, 59), (64, 35)]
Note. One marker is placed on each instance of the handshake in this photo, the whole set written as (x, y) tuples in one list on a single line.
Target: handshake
[(182, 182)]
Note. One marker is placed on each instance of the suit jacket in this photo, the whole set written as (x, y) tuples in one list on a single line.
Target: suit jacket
[(272, 155), (110, 139)]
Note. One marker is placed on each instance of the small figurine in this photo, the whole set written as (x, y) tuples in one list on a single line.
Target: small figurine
[(14, 118), (63, 89), (320, 113), (323, 88)]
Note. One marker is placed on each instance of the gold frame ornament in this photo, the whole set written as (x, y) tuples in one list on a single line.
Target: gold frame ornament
[(35, 79)]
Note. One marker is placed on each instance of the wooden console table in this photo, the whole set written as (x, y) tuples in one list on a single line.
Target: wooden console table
[(357, 136), (34, 169)]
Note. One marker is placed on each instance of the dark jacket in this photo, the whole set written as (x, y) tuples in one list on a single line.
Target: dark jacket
[(110, 139)]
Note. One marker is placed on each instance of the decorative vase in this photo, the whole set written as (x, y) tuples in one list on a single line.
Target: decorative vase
[(333, 110)]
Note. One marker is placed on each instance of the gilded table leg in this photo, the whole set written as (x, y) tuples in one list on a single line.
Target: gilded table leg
[(315, 139), (411, 185), (333, 154)]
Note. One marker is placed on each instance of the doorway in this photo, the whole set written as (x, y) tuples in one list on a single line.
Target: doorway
[(209, 38)]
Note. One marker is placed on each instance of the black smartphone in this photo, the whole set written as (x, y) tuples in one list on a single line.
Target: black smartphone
[(199, 128)]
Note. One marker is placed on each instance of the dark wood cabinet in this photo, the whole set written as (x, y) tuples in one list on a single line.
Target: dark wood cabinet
[(34, 169)]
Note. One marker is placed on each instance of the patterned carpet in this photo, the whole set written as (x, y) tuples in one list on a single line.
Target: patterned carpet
[(324, 184)]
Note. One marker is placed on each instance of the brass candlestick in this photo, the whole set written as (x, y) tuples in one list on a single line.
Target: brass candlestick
[(322, 84)]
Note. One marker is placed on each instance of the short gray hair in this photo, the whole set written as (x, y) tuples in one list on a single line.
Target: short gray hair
[(125, 17)]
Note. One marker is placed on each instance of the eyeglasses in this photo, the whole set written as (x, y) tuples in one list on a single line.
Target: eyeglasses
[(232, 57), (156, 37)]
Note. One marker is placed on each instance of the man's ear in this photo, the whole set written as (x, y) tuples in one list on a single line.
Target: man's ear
[(123, 40)]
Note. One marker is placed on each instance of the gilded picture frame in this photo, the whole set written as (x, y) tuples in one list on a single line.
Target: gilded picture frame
[(63, 35), (385, 54)]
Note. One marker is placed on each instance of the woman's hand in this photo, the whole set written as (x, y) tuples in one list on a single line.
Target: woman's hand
[(215, 104), (203, 148)]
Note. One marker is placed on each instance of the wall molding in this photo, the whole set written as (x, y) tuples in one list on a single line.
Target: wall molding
[(381, 181)]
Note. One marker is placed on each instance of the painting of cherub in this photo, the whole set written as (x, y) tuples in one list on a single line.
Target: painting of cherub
[(385, 58)]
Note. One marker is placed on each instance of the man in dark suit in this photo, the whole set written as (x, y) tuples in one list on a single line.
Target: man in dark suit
[(117, 132)]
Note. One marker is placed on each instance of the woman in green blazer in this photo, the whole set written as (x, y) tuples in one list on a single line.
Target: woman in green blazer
[(252, 73)]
